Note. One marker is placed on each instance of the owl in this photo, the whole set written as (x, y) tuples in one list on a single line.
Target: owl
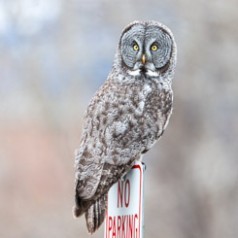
[(127, 115)]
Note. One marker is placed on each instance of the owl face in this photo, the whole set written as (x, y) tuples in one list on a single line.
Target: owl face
[(146, 47)]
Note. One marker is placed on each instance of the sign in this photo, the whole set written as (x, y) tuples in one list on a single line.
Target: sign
[(124, 218)]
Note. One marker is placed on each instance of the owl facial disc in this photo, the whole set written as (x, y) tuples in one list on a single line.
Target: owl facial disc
[(146, 48)]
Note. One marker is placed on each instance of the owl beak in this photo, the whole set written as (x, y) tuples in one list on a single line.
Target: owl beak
[(143, 59)]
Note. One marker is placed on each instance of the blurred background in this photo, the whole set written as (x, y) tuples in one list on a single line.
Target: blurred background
[(54, 54)]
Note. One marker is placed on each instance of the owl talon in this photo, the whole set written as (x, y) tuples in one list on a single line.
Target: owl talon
[(144, 166)]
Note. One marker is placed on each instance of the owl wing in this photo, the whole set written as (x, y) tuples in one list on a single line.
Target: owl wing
[(104, 155), (96, 213), (91, 190)]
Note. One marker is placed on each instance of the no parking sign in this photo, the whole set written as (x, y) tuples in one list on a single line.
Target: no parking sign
[(124, 217)]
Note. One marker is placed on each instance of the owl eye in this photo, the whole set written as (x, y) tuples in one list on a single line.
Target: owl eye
[(154, 47), (135, 47)]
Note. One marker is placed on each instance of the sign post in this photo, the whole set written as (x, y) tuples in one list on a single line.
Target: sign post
[(124, 217)]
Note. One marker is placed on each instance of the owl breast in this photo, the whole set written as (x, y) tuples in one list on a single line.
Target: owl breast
[(140, 117)]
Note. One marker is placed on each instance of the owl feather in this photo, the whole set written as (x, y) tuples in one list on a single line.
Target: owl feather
[(127, 115)]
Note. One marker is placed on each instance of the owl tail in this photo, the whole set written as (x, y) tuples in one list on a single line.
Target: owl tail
[(96, 213)]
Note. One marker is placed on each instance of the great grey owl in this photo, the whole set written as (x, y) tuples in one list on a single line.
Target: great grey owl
[(126, 117)]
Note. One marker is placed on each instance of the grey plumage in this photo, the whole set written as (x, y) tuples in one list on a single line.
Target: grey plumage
[(126, 117)]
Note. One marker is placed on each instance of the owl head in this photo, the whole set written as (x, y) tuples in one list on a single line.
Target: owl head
[(146, 48)]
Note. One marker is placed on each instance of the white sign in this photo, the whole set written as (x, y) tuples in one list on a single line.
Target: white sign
[(124, 217)]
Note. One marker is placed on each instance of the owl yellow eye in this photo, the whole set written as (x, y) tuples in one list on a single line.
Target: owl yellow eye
[(154, 47), (135, 47)]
